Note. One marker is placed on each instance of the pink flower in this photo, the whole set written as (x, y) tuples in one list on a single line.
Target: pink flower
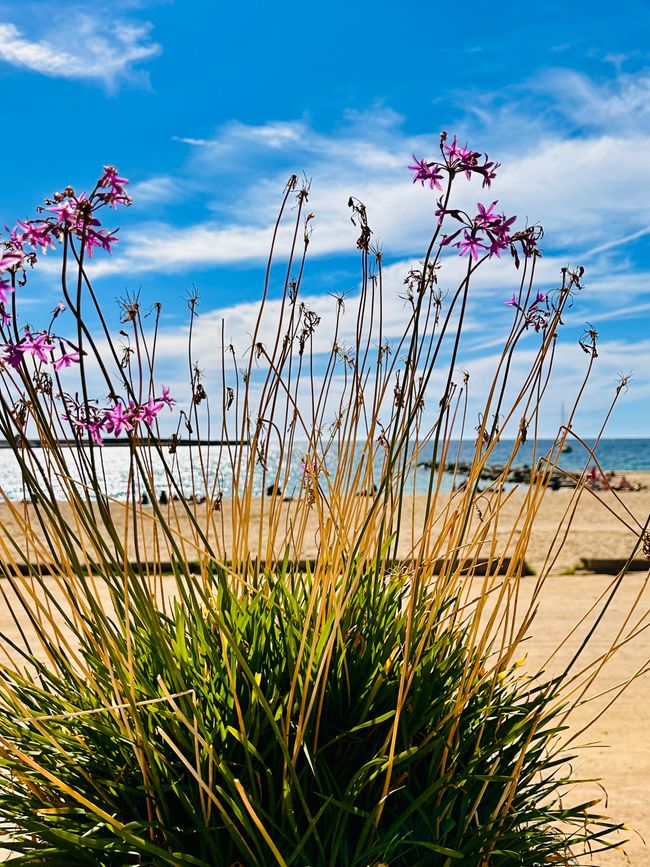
[(135, 412), (512, 302), (499, 233), (110, 178), (101, 238), (149, 410), (94, 428), (486, 216), (116, 194), (462, 159), (38, 346), (36, 234), (166, 399), (15, 237), (13, 354), (66, 360), (455, 151), (427, 172), (116, 419), (5, 318), (470, 244), (67, 212), (503, 224)]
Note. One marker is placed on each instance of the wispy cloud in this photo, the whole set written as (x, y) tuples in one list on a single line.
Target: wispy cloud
[(81, 45), (618, 242), (154, 190), (578, 188), (618, 105), (195, 142)]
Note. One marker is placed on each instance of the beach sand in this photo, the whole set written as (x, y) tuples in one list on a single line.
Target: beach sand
[(618, 751)]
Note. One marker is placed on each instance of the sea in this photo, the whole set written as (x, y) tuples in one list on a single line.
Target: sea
[(620, 455)]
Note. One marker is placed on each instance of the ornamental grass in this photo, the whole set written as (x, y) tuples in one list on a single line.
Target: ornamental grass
[(184, 684)]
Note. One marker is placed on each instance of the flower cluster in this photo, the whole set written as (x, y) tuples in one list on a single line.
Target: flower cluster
[(76, 215), (114, 419), (66, 214), (456, 159), (488, 232), (41, 347)]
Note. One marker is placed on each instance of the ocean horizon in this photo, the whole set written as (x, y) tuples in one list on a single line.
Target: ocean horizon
[(621, 455)]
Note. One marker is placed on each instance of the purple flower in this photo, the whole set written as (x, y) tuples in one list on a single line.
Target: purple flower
[(15, 237), (455, 151), (461, 159), (486, 216), (38, 346), (427, 172), (496, 245), (13, 354), (66, 360), (94, 428), (166, 399), (488, 174), (498, 233), (116, 194), (5, 318), (470, 244), (77, 423), (36, 234), (68, 212), (440, 211), (101, 238), (116, 419), (512, 303), (110, 178), (149, 410), (503, 224)]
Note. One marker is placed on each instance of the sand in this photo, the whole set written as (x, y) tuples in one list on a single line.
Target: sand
[(619, 742)]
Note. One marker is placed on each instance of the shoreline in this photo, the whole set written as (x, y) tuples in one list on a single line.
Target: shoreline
[(606, 525)]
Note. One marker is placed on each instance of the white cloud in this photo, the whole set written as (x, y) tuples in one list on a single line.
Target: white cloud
[(82, 46), (622, 103), (154, 190), (587, 196), (195, 142)]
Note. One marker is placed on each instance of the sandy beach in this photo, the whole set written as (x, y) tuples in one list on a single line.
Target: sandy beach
[(617, 750)]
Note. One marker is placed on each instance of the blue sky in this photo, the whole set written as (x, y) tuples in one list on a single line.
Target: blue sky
[(208, 107)]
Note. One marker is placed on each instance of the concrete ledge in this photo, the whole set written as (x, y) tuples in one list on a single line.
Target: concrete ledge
[(480, 567), (613, 567)]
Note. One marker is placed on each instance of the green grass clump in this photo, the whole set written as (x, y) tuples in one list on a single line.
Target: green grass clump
[(288, 726)]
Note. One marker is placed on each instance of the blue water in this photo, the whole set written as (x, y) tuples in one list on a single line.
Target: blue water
[(624, 455), (612, 454)]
